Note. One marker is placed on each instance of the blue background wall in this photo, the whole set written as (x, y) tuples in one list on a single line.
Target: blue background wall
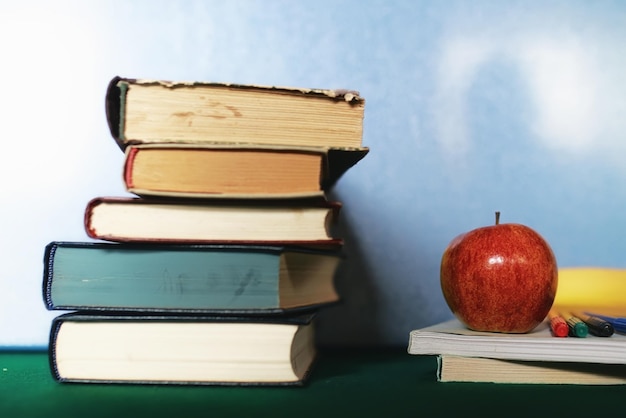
[(472, 107)]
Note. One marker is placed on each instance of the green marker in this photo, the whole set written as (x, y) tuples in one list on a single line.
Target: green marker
[(577, 328), (597, 326)]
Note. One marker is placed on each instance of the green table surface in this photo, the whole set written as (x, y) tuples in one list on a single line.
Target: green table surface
[(347, 382)]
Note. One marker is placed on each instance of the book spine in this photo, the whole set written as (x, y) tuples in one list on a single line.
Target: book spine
[(47, 275), (129, 164), (52, 345), (115, 109), (87, 218)]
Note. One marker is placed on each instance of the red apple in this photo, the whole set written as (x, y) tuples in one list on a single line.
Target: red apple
[(499, 278)]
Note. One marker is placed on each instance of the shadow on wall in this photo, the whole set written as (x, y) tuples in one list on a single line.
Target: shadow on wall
[(357, 319), (388, 281)]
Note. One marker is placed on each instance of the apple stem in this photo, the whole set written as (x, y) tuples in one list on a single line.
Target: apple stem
[(497, 217)]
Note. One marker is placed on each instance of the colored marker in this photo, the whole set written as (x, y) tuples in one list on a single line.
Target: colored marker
[(577, 328), (619, 324), (597, 326), (558, 325)]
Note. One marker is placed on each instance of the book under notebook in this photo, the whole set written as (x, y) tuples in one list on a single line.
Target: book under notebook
[(491, 370)]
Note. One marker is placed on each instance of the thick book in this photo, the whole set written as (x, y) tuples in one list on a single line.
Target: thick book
[(453, 338), (282, 222), (156, 111), (173, 349), (491, 370), (204, 171), (187, 278)]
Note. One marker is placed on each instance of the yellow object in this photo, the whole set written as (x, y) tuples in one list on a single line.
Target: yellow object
[(592, 287)]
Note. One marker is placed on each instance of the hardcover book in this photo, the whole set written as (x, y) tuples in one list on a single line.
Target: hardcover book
[(199, 350), (233, 171), (186, 278), (280, 222), (156, 111)]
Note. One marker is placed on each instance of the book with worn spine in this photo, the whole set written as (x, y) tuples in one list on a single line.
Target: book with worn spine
[(157, 111)]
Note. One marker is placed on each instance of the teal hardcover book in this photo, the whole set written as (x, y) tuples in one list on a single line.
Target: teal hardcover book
[(186, 278)]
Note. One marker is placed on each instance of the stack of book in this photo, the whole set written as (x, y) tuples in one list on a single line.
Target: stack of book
[(537, 357), (582, 340), (212, 273)]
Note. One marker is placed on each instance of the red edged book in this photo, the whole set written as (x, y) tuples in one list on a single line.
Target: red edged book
[(284, 222), (234, 171)]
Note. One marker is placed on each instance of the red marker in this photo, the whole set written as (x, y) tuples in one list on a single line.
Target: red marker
[(558, 325)]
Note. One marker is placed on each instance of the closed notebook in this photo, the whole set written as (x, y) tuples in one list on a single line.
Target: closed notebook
[(198, 350), (453, 338), (186, 278)]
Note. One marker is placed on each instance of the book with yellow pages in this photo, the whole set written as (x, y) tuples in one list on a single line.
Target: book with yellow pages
[(158, 111), (235, 171), (491, 370)]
